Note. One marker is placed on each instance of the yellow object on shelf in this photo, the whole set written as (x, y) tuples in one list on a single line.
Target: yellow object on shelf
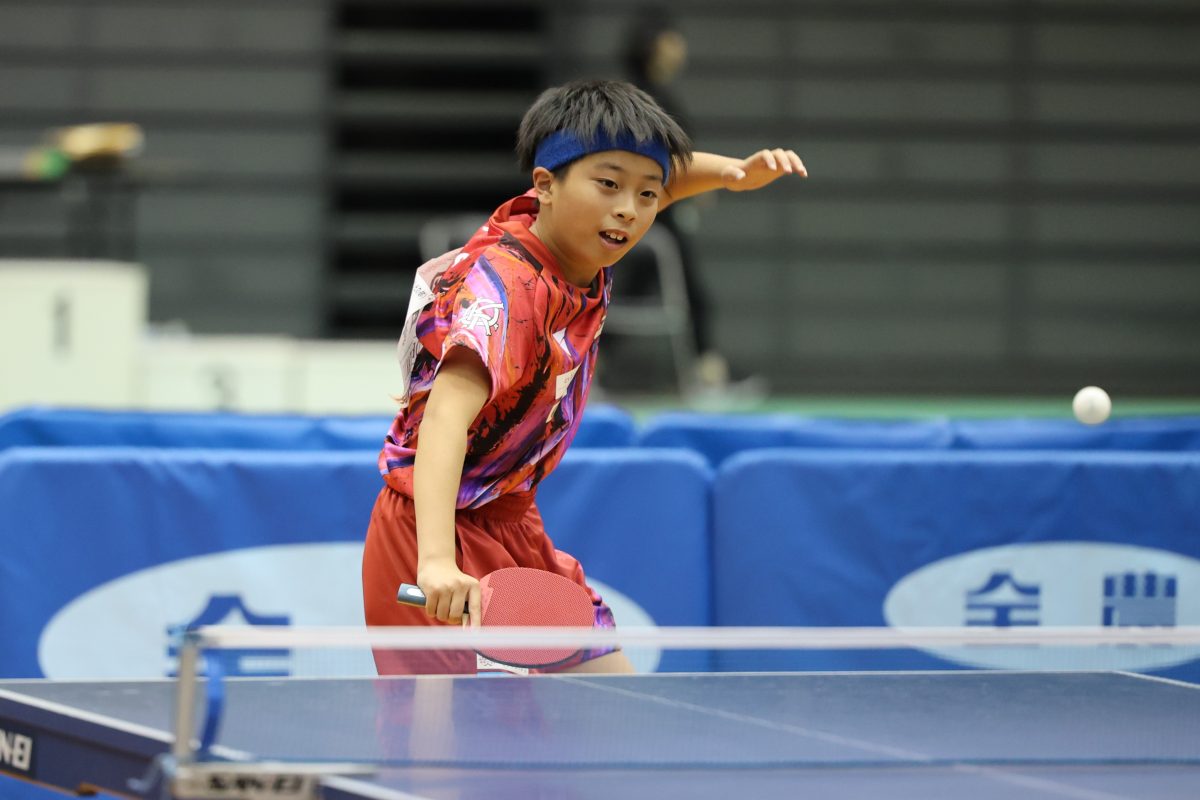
[(100, 141)]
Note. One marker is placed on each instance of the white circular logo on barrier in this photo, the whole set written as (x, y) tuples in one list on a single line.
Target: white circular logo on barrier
[(1054, 584), (629, 614), (121, 629)]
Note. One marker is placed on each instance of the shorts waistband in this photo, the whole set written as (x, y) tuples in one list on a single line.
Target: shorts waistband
[(505, 508)]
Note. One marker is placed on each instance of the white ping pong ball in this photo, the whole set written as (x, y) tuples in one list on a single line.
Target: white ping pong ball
[(1092, 405)]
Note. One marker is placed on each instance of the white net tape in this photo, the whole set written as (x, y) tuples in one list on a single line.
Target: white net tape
[(668, 638)]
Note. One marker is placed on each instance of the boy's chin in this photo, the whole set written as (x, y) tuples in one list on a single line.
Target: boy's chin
[(608, 259)]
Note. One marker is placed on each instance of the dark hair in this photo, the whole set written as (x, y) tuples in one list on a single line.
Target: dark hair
[(616, 107)]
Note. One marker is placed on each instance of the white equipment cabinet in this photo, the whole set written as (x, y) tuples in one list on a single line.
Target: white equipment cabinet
[(218, 373), (69, 332)]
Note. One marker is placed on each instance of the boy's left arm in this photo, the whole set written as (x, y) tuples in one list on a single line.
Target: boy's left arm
[(709, 171)]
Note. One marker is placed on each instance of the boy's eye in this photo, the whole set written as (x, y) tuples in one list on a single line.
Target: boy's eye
[(606, 183), (650, 195)]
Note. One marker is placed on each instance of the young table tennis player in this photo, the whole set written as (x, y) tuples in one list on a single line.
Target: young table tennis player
[(499, 349)]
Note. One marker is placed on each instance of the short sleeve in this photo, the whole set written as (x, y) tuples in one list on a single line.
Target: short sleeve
[(481, 319)]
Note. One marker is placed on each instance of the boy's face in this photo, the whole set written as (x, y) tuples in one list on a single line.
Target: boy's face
[(599, 209)]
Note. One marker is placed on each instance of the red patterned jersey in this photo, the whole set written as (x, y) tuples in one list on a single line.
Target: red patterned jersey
[(504, 297)]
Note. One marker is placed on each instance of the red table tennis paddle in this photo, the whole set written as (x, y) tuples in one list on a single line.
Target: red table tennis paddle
[(525, 597)]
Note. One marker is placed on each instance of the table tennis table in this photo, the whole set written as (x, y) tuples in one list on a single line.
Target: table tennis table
[(976, 734)]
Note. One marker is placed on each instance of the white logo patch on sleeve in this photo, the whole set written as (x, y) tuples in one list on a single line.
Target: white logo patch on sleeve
[(482, 312)]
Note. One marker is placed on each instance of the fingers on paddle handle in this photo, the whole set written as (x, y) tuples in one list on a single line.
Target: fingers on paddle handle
[(412, 595)]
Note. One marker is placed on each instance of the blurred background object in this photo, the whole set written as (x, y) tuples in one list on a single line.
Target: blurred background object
[(655, 53), (99, 144)]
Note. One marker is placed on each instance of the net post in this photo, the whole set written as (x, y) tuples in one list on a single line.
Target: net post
[(185, 698)]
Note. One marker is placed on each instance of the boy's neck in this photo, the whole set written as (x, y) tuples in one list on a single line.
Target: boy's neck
[(583, 277)]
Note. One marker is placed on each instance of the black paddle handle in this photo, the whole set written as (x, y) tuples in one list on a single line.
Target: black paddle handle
[(411, 595)]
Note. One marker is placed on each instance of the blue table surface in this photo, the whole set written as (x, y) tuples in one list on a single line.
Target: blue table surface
[(895, 735)]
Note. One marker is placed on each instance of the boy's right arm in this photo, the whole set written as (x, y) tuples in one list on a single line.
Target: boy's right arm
[(459, 392), (709, 171)]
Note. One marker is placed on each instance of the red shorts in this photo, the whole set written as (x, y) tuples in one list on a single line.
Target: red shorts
[(507, 532)]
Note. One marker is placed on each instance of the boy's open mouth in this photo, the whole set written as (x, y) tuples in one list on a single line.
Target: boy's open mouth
[(614, 238)]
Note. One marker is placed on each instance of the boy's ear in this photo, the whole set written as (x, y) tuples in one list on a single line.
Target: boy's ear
[(543, 183)]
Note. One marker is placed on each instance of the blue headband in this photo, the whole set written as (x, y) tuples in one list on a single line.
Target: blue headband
[(561, 148)]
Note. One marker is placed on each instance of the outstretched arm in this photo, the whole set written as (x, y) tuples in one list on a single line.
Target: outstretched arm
[(709, 171)]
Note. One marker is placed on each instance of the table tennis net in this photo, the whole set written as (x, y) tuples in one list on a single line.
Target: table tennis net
[(797, 698), (267, 651)]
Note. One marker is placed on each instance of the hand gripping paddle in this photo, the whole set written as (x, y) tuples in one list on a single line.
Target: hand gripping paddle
[(525, 597)]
